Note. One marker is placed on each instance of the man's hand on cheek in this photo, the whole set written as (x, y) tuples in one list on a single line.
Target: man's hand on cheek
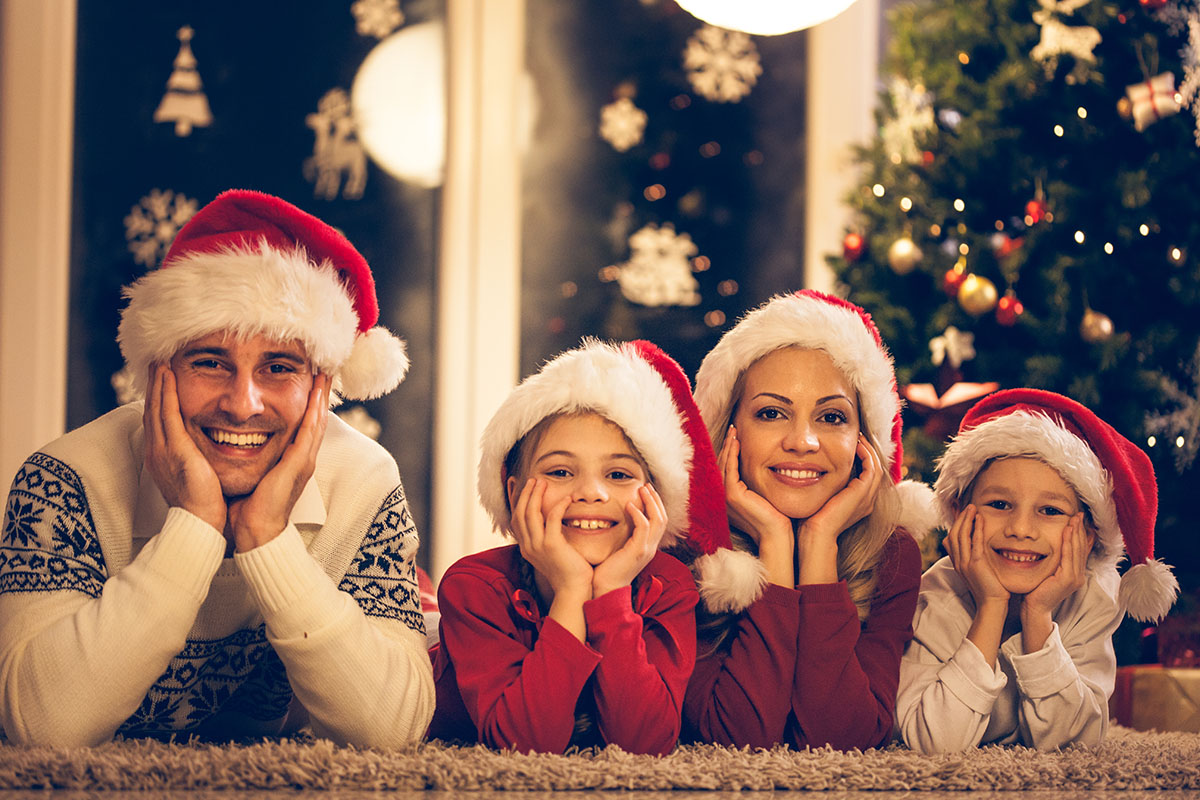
[(181, 472), (262, 515)]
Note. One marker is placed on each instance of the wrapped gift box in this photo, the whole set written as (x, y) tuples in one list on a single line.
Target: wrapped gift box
[(1154, 697)]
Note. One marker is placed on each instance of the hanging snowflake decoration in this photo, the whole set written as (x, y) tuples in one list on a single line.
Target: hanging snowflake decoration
[(1058, 38), (358, 418), (721, 65), (622, 124), (377, 18), (913, 108), (1190, 55), (659, 271), (954, 346), (1182, 426), (151, 225)]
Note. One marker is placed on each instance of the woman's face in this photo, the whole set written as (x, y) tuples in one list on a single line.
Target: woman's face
[(797, 425)]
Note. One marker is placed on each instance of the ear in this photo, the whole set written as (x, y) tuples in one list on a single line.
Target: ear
[(511, 489)]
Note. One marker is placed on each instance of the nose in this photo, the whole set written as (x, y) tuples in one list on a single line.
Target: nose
[(1020, 524), (589, 489), (242, 398), (801, 437)]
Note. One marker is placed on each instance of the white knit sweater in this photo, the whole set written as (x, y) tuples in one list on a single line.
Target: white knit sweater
[(121, 616)]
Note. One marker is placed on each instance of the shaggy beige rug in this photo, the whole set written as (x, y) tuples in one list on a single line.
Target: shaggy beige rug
[(1128, 760)]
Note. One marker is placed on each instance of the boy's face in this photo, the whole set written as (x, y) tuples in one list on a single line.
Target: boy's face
[(587, 458), (797, 427), (1023, 505)]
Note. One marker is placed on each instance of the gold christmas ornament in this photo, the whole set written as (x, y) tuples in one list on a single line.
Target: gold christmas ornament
[(1095, 327), (1125, 108), (977, 295), (903, 255)]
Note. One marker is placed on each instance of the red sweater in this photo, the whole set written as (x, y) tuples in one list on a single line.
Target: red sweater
[(799, 669), (511, 678)]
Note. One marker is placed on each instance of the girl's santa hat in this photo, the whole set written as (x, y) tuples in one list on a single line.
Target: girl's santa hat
[(816, 321), (1111, 475), (248, 264), (646, 394)]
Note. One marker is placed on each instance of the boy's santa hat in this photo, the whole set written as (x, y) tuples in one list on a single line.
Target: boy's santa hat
[(248, 264), (645, 393), (812, 320), (1111, 475)]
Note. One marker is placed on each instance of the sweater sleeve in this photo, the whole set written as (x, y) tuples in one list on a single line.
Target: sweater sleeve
[(844, 690), (1065, 686), (519, 696), (79, 648), (647, 657), (355, 653)]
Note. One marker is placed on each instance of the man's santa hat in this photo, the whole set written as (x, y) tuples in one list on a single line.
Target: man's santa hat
[(646, 394), (730, 580), (1111, 475), (248, 264)]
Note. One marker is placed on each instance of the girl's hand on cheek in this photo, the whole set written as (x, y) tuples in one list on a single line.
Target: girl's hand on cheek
[(543, 545), (649, 518)]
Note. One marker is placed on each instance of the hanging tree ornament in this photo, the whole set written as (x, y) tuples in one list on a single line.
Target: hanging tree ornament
[(853, 246), (954, 277), (1125, 108), (1008, 309), (1152, 100), (185, 103), (903, 255), (977, 295), (1095, 327), (1059, 38)]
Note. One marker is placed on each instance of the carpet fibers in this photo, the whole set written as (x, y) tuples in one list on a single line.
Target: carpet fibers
[(1128, 760)]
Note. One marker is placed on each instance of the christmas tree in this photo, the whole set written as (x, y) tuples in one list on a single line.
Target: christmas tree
[(1027, 217)]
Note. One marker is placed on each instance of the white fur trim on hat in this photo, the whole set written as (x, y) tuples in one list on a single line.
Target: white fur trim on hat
[(918, 508), (808, 322), (377, 363), (1148, 590), (1036, 435), (244, 292), (729, 580), (615, 382)]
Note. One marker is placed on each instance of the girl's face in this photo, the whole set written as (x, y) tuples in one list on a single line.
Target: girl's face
[(589, 459), (1023, 505), (797, 426)]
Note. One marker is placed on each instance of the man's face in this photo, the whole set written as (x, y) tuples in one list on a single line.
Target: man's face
[(241, 401)]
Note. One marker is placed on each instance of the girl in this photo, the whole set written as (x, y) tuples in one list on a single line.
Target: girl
[(806, 617), (1013, 628), (581, 633)]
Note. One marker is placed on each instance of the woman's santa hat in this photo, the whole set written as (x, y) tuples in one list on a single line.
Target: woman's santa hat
[(816, 321), (248, 264), (646, 394), (1111, 475)]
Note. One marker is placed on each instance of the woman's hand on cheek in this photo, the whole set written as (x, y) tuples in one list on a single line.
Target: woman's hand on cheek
[(649, 519), (853, 503), (754, 515)]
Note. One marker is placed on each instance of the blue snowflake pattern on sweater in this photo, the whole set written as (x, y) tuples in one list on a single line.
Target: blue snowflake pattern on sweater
[(49, 542), (382, 578)]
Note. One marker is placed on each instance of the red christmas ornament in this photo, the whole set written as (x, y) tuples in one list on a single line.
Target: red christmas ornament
[(1008, 309), (927, 157), (1152, 5), (1035, 211), (853, 246), (954, 278)]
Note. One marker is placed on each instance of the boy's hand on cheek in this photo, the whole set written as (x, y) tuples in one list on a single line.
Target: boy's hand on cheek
[(545, 548), (965, 544), (1069, 576), (649, 525)]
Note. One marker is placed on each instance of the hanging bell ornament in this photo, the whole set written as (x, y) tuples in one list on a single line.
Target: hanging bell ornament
[(1095, 327), (1008, 309), (853, 246), (977, 295), (903, 255)]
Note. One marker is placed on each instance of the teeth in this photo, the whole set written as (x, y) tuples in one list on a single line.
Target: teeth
[(1020, 557), (238, 439), (589, 524), (797, 473)]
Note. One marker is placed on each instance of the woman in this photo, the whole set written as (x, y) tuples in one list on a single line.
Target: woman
[(806, 613)]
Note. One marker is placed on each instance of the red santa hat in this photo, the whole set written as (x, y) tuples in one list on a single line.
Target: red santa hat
[(248, 264), (813, 320), (644, 392), (1111, 475)]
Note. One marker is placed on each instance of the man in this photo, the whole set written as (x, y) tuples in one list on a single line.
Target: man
[(228, 559)]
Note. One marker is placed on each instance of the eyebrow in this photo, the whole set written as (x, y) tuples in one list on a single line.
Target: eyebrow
[(788, 400), (569, 454), (273, 355)]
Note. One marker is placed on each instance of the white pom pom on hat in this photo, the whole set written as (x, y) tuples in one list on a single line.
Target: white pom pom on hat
[(1111, 475), (250, 263)]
